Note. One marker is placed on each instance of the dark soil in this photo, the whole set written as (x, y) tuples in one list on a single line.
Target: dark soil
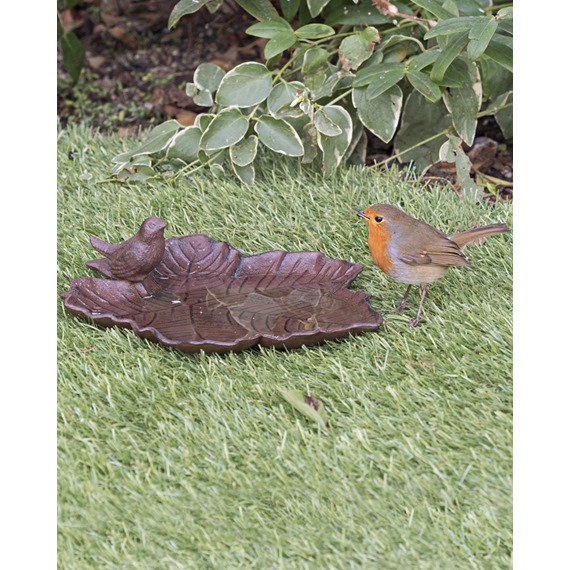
[(136, 70)]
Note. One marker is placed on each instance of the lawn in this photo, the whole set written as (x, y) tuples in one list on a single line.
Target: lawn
[(170, 460)]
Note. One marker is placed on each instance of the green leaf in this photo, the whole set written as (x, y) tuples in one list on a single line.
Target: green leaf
[(498, 102), (269, 29), (183, 8), (505, 16), (504, 118), (388, 76), (464, 103), (471, 7), (452, 151), (314, 31), (434, 8), (185, 144), (281, 97), (495, 78), (422, 60), (138, 170), (208, 77), (213, 157), (506, 25), (357, 48), (452, 26), (245, 173), (397, 53), (315, 67), (451, 6), (455, 75), (289, 8), (60, 30), (158, 139), (244, 86), (279, 136), (308, 406), (244, 153), (334, 146), (218, 171), (480, 35), (225, 130), (421, 82), (325, 124), (121, 158), (316, 6), (203, 98), (260, 9), (70, 3), (73, 54), (361, 14), (500, 49), (309, 136), (279, 43), (421, 121), (379, 115), (338, 80), (214, 5), (448, 54), (366, 74), (356, 152), (395, 39), (203, 120)]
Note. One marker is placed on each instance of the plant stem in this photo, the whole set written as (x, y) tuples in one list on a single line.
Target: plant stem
[(421, 143), (189, 170), (497, 7), (492, 111), (436, 136), (341, 96), (285, 66)]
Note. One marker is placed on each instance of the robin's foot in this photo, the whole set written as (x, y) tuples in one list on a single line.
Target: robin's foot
[(414, 322), (404, 303)]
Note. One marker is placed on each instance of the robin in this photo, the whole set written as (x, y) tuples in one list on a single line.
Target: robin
[(413, 252), (134, 258)]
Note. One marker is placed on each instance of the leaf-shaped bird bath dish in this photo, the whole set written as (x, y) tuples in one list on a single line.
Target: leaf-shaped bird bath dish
[(206, 295)]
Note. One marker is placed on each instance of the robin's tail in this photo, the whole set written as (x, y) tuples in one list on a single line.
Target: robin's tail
[(478, 235)]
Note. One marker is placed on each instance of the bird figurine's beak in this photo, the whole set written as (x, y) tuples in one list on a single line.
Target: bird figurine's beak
[(361, 214)]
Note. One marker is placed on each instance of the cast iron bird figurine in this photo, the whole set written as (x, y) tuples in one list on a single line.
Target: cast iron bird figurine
[(135, 258), (413, 252)]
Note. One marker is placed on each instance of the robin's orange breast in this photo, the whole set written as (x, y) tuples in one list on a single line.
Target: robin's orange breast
[(378, 241)]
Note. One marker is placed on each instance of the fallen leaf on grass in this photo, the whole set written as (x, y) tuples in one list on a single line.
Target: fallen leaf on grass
[(309, 406)]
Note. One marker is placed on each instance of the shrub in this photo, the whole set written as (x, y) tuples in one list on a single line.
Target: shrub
[(416, 74)]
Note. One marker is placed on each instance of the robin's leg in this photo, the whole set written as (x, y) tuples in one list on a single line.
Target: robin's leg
[(403, 304), (415, 321)]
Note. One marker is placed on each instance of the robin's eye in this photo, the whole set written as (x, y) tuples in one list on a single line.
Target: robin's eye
[(378, 219)]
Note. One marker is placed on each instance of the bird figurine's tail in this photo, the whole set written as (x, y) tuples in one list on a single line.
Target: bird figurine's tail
[(478, 235), (103, 247)]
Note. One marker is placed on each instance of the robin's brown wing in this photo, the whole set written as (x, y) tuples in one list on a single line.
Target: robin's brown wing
[(440, 251)]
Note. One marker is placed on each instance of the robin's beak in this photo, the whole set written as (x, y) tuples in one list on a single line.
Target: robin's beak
[(361, 214)]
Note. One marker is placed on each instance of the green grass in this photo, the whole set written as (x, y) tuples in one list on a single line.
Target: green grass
[(169, 460)]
